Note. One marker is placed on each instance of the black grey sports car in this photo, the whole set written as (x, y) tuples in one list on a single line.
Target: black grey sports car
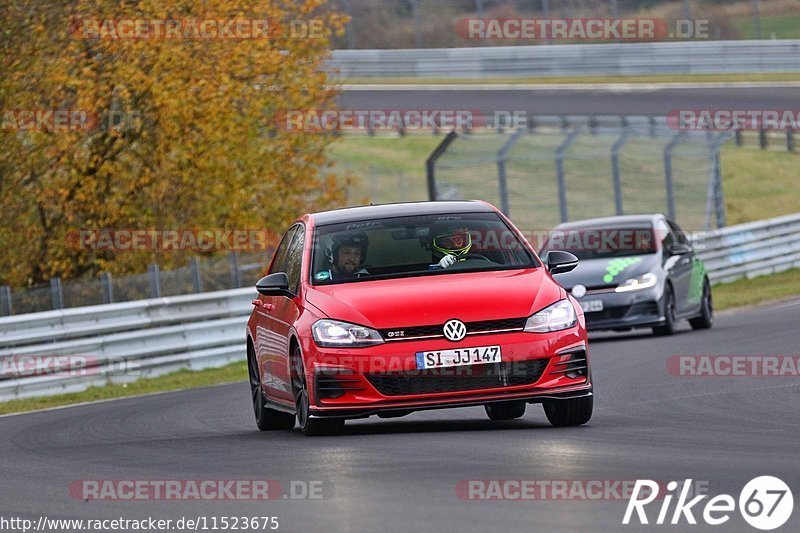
[(634, 271)]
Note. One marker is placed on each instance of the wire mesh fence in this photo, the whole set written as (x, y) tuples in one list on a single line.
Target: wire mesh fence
[(200, 275), (586, 168)]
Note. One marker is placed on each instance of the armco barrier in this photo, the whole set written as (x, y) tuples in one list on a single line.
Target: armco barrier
[(752, 249), (619, 59), (152, 337)]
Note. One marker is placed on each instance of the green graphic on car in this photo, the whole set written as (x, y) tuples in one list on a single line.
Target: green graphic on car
[(696, 281), (616, 266)]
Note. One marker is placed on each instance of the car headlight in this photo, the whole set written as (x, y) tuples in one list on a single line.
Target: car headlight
[(333, 333), (636, 284), (560, 315)]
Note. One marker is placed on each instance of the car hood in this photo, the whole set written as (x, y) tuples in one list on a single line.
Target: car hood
[(426, 300), (608, 271)]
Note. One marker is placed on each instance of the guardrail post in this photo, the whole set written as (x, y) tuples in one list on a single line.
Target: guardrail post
[(615, 171), (155, 281), (762, 139), (668, 172), (738, 137), (502, 157), (6, 306), (236, 281), (430, 163), (653, 126), (57, 293), (108, 288), (564, 123), (532, 124), (194, 268), (562, 183), (789, 139), (593, 125)]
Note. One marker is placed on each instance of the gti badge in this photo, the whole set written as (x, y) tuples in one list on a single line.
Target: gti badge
[(454, 330)]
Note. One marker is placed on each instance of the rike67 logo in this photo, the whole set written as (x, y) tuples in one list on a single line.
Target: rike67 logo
[(765, 502)]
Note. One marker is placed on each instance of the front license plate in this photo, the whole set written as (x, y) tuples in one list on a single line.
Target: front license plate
[(592, 306), (480, 355)]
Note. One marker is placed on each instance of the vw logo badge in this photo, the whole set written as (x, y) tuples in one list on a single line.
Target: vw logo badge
[(454, 330), (579, 291)]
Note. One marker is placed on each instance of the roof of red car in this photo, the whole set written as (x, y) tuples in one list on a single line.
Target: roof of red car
[(370, 212)]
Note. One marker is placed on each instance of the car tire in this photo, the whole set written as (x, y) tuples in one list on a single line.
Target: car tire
[(706, 318), (266, 419), (668, 328), (505, 410), (311, 427), (574, 412)]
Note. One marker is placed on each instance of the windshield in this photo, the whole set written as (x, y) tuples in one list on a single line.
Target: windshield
[(602, 242), (416, 245)]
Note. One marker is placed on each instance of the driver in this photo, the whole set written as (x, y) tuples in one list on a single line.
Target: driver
[(346, 256), (450, 248)]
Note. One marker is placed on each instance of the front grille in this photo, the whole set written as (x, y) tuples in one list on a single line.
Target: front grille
[(485, 326), (459, 378)]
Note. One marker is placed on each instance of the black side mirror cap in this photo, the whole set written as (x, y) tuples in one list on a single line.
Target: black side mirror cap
[(678, 249), (559, 261), (276, 284)]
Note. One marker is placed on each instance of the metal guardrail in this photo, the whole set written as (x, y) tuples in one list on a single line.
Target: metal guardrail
[(752, 249), (619, 59), (123, 342), (118, 343)]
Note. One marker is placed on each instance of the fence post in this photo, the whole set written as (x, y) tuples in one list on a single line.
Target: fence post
[(502, 157), (108, 288), (57, 293), (738, 137), (6, 307), (194, 268), (236, 281), (155, 281), (430, 163), (789, 139), (762, 139), (668, 172), (715, 201), (653, 126), (562, 184), (615, 171)]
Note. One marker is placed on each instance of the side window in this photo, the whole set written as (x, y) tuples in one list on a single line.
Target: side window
[(664, 233), (680, 236), (294, 258), (279, 261)]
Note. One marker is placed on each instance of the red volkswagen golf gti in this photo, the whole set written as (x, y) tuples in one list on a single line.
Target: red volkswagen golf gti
[(389, 309)]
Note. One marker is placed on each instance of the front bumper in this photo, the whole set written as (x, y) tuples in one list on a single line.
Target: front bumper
[(384, 379), (636, 309)]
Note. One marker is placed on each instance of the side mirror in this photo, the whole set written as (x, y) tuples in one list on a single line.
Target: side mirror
[(559, 261), (678, 249), (276, 284)]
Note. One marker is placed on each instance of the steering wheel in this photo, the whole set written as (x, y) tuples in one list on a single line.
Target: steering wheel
[(476, 256)]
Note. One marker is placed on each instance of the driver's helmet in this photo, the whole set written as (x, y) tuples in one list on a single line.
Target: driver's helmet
[(349, 239), (457, 243)]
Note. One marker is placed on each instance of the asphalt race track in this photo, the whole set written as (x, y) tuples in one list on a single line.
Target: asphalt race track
[(401, 474), (588, 100)]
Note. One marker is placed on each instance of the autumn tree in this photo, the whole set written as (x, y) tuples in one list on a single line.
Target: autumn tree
[(152, 130)]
